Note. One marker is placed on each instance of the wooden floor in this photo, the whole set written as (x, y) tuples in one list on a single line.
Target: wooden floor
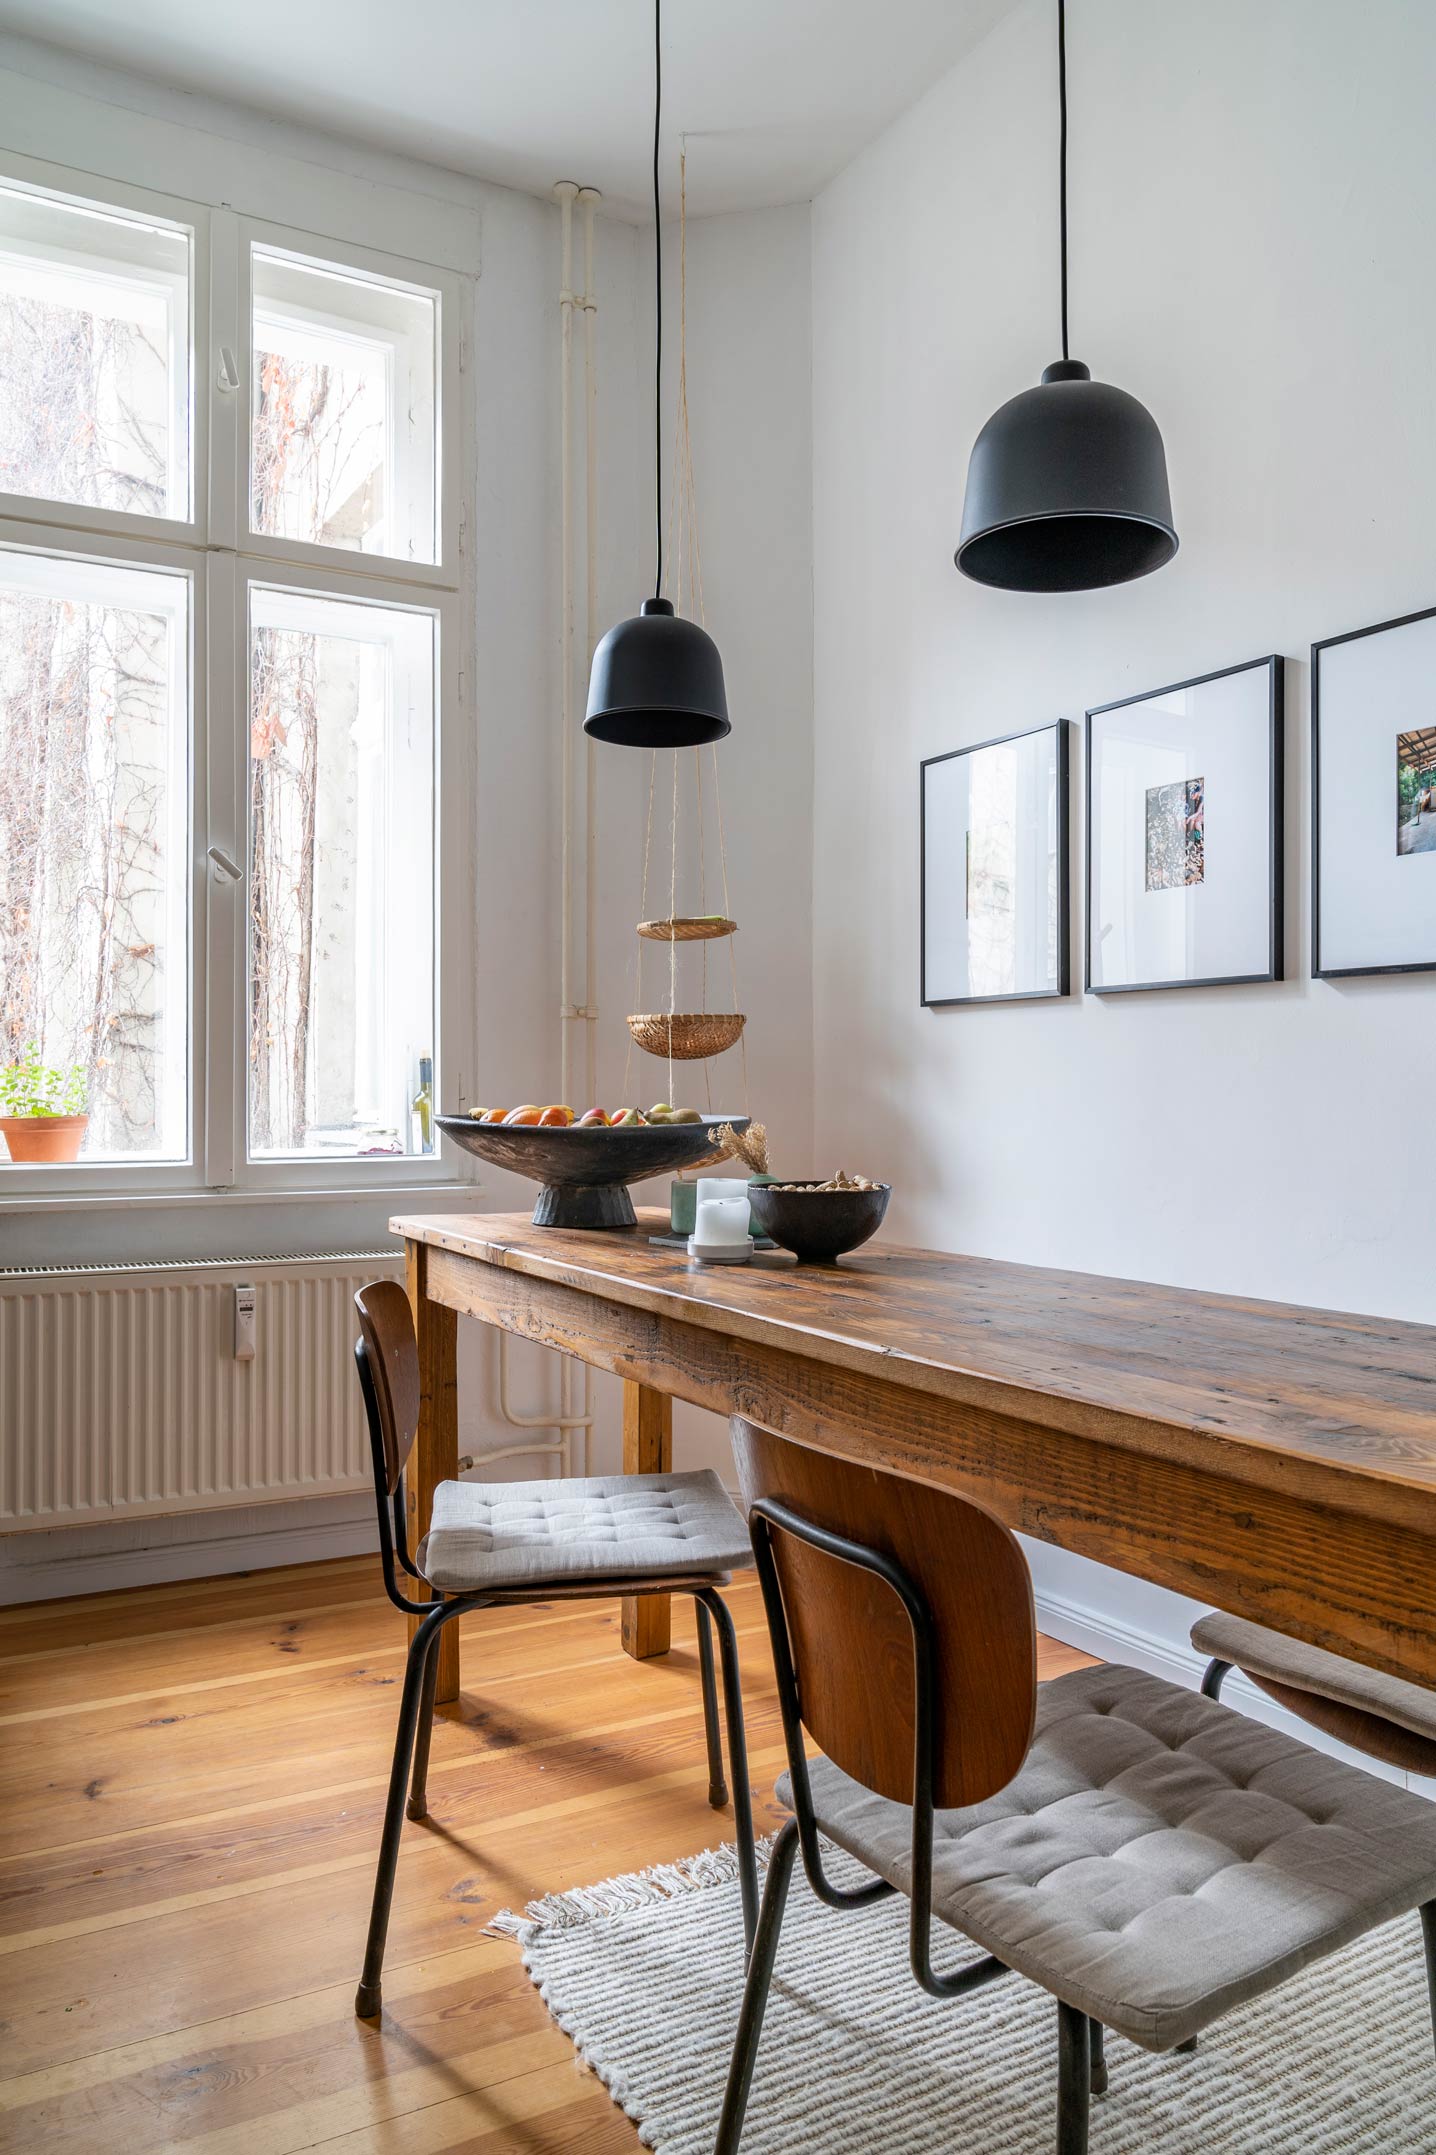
[(191, 1779)]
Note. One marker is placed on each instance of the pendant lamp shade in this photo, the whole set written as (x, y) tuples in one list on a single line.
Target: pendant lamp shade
[(1067, 483), (1066, 489), (657, 682)]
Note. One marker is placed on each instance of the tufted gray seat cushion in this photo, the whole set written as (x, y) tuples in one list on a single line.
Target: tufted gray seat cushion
[(1159, 1858), (510, 1534), (1298, 1667)]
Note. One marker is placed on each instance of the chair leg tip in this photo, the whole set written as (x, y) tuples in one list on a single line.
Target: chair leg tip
[(368, 2001), (417, 1808), (718, 1795)]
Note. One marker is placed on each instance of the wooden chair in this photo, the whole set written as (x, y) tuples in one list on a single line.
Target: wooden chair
[(1381, 1715), (1145, 1855), (515, 1542)]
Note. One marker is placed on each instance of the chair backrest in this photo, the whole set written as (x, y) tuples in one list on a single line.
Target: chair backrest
[(850, 1636), (392, 1354)]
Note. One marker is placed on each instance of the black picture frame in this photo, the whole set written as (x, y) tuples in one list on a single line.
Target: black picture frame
[(1345, 972), (1276, 880), (1062, 729)]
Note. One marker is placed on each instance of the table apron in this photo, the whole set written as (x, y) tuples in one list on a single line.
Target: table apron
[(1336, 1577)]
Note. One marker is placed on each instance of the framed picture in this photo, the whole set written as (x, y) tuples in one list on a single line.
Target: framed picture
[(995, 924), (1184, 834), (1373, 800)]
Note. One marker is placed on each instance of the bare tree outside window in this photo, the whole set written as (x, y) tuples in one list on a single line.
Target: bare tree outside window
[(88, 967), (340, 935)]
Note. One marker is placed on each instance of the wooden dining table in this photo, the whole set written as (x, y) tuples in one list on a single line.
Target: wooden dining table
[(1277, 1462)]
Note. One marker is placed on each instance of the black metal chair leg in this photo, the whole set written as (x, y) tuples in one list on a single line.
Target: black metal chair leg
[(763, 1953), (1215, 1676), (1099, 2057), (1074, 2080), (418, 1805), (368, 1999), (717, 1786), (1428, 1939), (737, 1760)]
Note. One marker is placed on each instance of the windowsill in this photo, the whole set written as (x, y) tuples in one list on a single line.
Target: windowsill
[(396, 1196)]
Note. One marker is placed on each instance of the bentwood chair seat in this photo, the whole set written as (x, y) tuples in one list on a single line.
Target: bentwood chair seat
[(1158, 1859), (1144, 1854), (505, 1542), (492, 1537), (1381, 1715)]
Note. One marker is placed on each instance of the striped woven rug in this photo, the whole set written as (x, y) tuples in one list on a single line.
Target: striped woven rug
[(643, 1973)]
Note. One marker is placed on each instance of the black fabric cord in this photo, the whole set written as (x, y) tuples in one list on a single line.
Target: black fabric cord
[(658, 301), (1062, 184)]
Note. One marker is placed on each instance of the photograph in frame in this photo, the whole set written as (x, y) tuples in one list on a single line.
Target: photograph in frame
[(1373, 799), (1184, 833)]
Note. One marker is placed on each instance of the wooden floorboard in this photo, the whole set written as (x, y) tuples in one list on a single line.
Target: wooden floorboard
[(191, 1781)]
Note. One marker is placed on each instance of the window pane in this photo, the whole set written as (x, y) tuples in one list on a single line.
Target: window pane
[(341, 855), (94, 357), (343, 435), (93, 841)]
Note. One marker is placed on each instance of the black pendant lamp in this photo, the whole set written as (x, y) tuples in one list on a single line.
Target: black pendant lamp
[(1067, 483), (657, 680)]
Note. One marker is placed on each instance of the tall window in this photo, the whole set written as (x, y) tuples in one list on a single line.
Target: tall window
[(228, 658)]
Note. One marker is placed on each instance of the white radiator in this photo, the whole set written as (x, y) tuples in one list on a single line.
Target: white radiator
[(120, 1394)]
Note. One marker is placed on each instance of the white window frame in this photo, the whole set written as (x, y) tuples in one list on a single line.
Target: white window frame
[(192, 219), (223, 559), (229, 472), (117, 1178), (227, 1143)]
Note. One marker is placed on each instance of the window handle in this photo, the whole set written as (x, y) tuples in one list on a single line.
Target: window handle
[(228, 370), (224, 866)]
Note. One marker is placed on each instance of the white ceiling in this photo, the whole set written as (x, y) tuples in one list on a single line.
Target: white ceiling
[(775, 96)]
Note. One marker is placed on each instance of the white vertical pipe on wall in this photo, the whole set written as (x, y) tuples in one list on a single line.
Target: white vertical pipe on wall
[(589, 198), (575, 1413)]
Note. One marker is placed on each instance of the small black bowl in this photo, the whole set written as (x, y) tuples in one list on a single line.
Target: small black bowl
[(818, 1224)]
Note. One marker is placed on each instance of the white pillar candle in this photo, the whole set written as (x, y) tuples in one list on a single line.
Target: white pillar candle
[(721, 1223), (722, 1188)]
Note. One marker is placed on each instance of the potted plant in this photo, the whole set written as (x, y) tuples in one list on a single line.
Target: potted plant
[(43, 1116)]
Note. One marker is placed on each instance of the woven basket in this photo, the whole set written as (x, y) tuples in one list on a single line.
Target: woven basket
[(686, 931), (686, 1035)]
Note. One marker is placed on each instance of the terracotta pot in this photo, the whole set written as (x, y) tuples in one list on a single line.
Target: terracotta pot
[(51, 1139)]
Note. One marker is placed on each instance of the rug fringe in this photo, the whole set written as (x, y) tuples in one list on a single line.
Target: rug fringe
[(621, 1896)]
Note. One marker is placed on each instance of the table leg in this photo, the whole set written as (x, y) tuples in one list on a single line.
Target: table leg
[(647, 1449), (435, 1456)]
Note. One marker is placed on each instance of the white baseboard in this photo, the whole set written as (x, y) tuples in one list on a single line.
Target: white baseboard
[(103, 1572)]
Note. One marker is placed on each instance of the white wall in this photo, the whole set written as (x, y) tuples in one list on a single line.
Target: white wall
[(1253, 192)]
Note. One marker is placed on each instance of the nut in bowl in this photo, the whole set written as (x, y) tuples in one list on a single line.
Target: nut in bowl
[(818, 1220)]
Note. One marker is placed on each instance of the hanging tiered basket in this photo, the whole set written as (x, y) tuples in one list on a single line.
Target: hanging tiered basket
[(673, 1035)]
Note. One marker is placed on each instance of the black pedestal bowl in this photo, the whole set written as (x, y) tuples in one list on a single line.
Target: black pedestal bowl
[(585, 1172)]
